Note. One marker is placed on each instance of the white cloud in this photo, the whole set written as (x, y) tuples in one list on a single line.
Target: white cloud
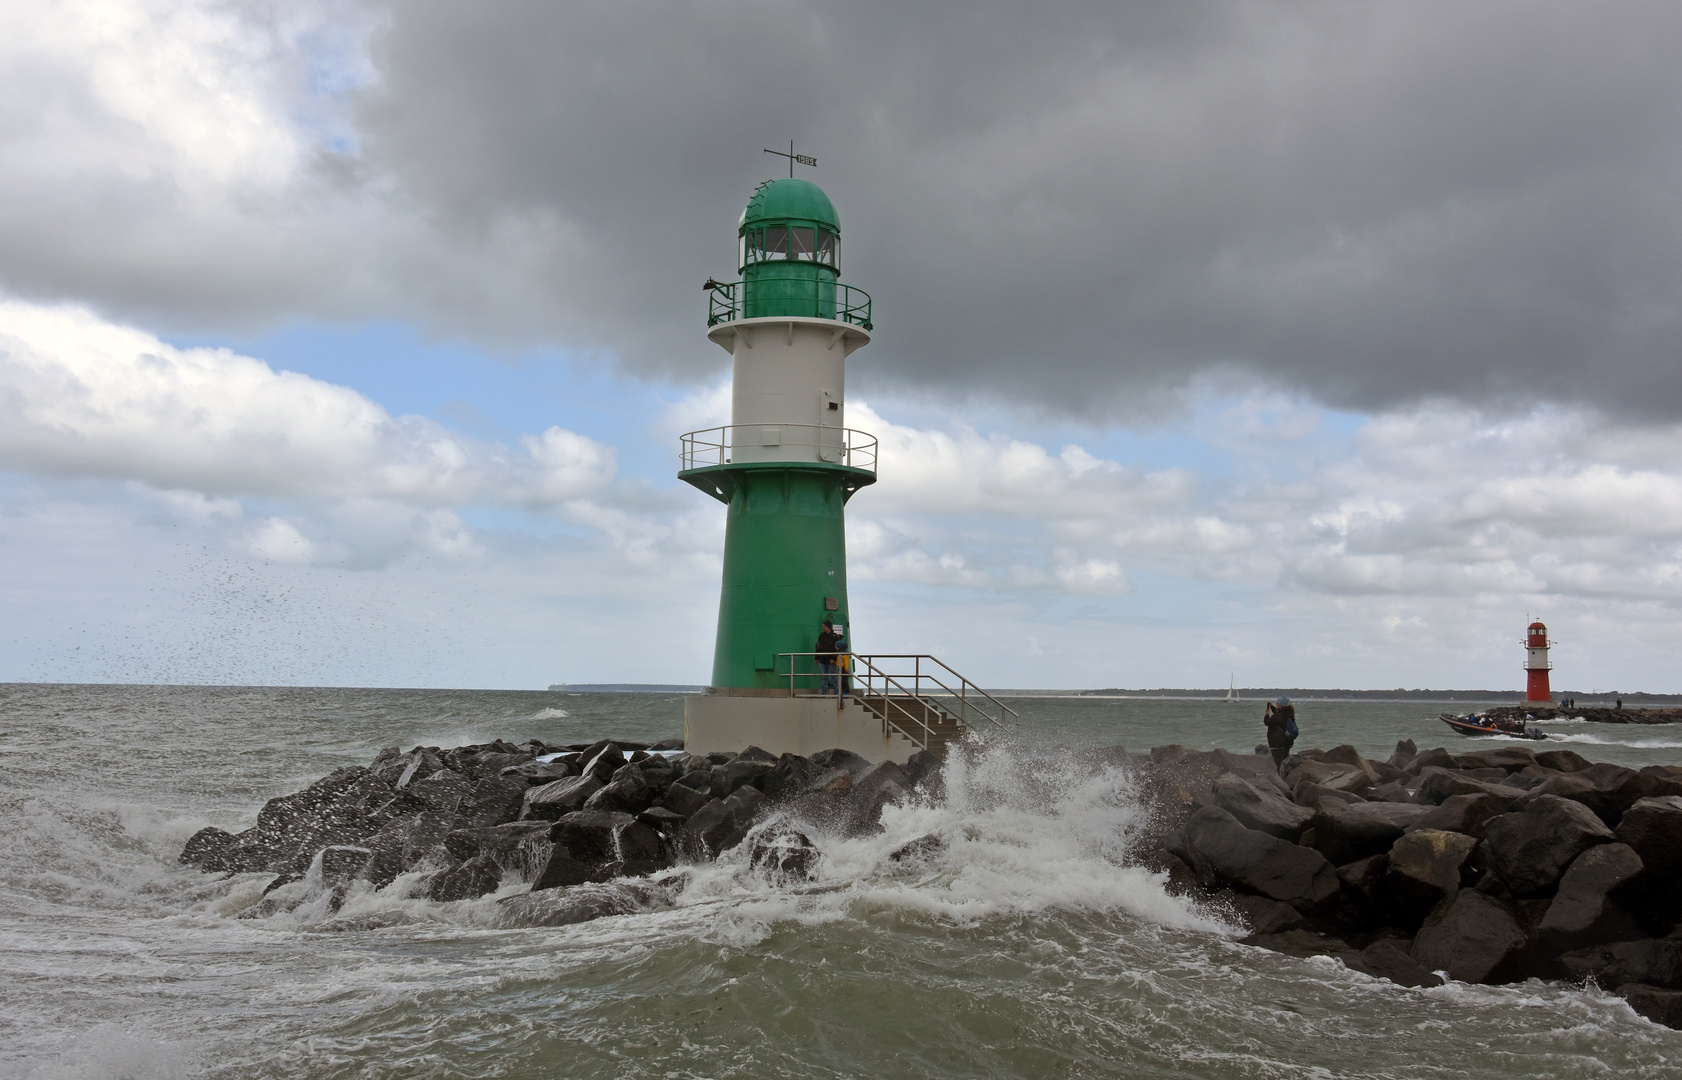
[(83, 397)]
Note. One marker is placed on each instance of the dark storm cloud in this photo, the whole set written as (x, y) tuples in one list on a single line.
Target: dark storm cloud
[(1074, 203), (1072, 206)]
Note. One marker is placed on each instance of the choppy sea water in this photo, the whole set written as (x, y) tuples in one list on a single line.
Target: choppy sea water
[(1031, 948)]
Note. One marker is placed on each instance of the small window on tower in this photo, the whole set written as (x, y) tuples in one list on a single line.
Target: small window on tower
[(826, 248), (801, 241), (774, 243)]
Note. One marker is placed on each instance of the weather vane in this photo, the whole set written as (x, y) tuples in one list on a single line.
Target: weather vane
[(794, 157)]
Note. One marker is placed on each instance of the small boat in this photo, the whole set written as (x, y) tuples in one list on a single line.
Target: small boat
[(1483, 725), (1232, 692)]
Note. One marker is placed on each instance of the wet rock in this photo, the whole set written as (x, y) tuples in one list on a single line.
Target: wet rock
[(628, 792), (1608, 789), (1435, 758), (1391, 960), (825, 760), (401, 844), (1528, 777), (1529, 850), (339, 864), (782, 852), (1508, 759), (1568, 761), (207, 848), (443, 791), (1437, 785), (1586, 911), (1330, 775), (922, 769), (788, 777), (601, 760), (474, 878), (683, 800), (493, 801), (521, 847), (421, 763), (667, 744), (1365, 900), (1260, 807), (721, 824), (1346, 832), (1463, 814), (1474, 938), (661, 820), (1652, 827), (483, 764), (1656, 1004), (1651, 961), (1348, 755), (834, 783), (388, 765), (584, 902), (742, 772), (1424, 868), (1393, 791), (553, 801), (1265, 916), (1313, 796), (1404, 754), (535, 773), (754, 753), (1225, 851), (924, 847)]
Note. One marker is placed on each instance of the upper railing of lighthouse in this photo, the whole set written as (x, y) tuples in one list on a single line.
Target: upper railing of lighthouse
[(786, 298)]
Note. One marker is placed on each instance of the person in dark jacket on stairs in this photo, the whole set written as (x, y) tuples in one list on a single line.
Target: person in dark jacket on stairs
[(1280, 717), (828, 640)]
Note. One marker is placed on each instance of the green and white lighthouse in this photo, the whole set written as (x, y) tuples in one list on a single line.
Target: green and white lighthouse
[(784, 467)]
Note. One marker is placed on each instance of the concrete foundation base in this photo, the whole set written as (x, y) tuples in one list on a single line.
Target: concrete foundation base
[(719, 722)]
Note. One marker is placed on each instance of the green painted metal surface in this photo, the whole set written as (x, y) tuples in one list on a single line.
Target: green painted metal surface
[(785, 552), (790, 201)]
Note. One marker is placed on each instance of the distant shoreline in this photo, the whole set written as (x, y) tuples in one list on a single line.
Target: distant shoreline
[(1245, 694)]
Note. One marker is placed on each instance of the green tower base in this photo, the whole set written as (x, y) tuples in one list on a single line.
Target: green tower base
[(785, 567)]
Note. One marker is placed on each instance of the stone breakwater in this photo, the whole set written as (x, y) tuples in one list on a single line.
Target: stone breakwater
[(1595, 715), (590, 827), (1491, 866)]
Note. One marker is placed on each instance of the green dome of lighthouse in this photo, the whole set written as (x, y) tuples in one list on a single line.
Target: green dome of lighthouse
[(790, 202)]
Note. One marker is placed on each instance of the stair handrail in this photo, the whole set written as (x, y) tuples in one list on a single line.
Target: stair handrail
[(874, 672)]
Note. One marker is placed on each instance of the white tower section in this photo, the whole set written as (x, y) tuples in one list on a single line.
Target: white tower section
[(788, 397)]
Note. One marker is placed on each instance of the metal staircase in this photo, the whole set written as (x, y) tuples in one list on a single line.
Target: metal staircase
[(914, 695)]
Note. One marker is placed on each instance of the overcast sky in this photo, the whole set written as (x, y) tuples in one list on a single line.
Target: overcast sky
[(1307, 343)]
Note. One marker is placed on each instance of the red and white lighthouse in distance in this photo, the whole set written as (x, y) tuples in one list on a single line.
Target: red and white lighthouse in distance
[(1536, 664)]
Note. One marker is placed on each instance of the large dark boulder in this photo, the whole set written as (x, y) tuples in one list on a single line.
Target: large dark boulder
[(601, 760), (1653, 827), (1365, 900), (787, 777), (1568, 761), (1435, 758), (521, 847), (1507, 758), (1404, 754), (1438, 785), (1423, 869), (420, 763), (1474, 938), (444, 791), (493, 801), (1529, 850), (1587, 909), (1344, 832), (1463, 814), (474, 878), (629, 793), (742, 772), (721, 824), (1653, 961), (1334, 776), (922, 770), (401, 844), (207, 847), (1608, 789), (825, 760), (683, 800), (599, 846), (1389, 959), (1313, 796), (1260, 806), (1656, 1004), (553, 801), (1225, 851), (584, 902), (782, 853)]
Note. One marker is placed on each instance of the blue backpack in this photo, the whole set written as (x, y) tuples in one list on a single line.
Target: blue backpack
[(1291, 728)]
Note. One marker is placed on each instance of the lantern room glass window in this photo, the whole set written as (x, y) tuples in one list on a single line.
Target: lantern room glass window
[(777, 243)]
